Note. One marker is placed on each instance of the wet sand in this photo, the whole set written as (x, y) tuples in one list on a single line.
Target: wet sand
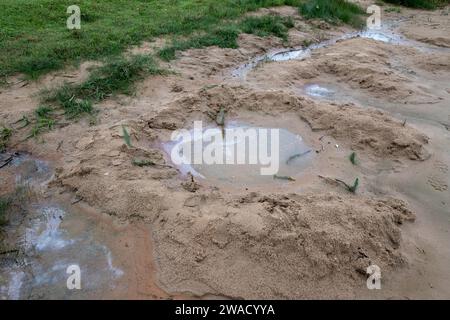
[(154, 233)]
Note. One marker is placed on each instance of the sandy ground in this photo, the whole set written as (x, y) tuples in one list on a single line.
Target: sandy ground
[(176, 237)]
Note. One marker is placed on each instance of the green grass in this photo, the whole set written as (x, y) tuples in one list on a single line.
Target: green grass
[(226, 36), (354, 187), (393, 9), (126, 136), (333, 11), (267, 25), (68, 98), (34, 38), (43, 120), (118, 75), (43, 111), (142, 162), (421, 4)]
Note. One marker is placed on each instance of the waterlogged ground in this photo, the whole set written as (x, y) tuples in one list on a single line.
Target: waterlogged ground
[(51, 246), (246, 155), (155, 231), (51, 233), (49, 238)]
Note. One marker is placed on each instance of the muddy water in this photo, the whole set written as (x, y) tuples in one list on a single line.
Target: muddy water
[(52, 241), (244, 157), (50, 237), (30, 171), (319, 91)]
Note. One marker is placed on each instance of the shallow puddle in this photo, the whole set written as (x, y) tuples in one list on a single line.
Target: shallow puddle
[(258, 156), (30, 171), (52, 241), (319, 91), (51, 237)]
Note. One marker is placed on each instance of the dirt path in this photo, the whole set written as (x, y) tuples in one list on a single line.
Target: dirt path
[(383, 95)]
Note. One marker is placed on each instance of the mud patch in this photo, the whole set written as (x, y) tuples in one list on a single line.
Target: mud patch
[(51, 241), (300, 239), (30, 171), (244, 149)]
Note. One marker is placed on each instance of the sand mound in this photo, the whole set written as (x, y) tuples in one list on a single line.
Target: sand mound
[(362, 64), (247, 244), (289, 246), (369, 130)]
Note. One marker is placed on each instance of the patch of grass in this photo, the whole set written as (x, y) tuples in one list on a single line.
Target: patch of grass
[(43, 120), (142, 162), (5, 134), (35, 39), (66, 98), (420, 4), (287, 178), (267, 25), (226, 36), (393, 9), (118, 75), (43, 111), (307, 42), (333, 11), (41, 125)]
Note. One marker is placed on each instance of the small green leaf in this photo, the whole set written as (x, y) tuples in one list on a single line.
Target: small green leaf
[(353, 158), (143, 162), (126, 136), (354, 187)]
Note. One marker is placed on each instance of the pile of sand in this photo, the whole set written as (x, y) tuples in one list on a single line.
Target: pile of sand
[(364, 129), (362, 64), (278, 246)]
